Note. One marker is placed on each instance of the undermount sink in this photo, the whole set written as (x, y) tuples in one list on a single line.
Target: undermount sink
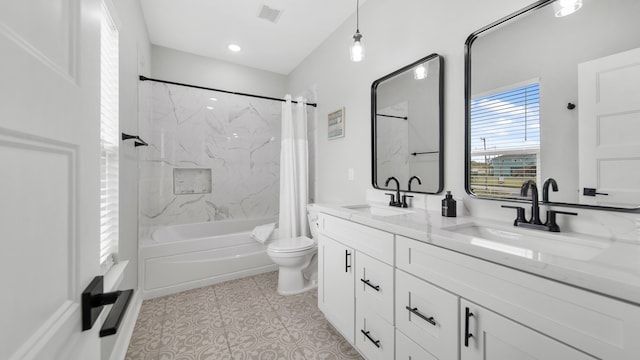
[(379, 210), (531, 244)]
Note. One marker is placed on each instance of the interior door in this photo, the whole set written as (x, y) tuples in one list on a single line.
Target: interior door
[(49, 175), (609, 124)]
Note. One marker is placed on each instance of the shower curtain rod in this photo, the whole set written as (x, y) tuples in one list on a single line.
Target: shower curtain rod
[(144, 78)]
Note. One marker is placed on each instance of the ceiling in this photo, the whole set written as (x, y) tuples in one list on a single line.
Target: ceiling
[(206, 27)]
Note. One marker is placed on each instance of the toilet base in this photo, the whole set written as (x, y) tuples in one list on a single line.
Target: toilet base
[(291, 281)]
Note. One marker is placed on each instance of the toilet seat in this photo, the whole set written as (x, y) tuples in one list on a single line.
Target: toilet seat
[(297, 244)]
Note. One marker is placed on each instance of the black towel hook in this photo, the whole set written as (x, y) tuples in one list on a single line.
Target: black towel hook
[(138, 141)]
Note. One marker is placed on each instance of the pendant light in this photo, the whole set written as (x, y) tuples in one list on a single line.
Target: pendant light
[(357, 48)]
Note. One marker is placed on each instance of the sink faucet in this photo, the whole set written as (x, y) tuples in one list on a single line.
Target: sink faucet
[(394, 201), (414, 178), (535, 222), (535, 207), (545, 188)]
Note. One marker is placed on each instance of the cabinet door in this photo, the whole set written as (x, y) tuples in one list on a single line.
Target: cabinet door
[(336, 295), (428, 315), (487, 335), (374, 286)]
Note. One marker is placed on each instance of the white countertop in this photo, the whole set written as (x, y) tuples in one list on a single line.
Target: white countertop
[(614, 272)]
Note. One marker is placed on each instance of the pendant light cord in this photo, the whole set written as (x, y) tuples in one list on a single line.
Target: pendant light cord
[(357, 15)]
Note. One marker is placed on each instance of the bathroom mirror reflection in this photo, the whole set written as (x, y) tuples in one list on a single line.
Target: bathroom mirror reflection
[(556, 97), (406, 123)]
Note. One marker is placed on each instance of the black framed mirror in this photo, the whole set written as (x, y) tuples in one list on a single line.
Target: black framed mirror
[(556, 97), (407, 127)]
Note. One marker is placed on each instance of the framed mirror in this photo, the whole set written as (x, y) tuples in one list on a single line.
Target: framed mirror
[(551, 96), (407, 127)]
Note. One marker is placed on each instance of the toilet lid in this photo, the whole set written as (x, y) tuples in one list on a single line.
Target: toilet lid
[(299, 243)]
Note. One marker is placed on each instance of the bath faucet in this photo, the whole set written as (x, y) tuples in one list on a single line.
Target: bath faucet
[(535, 222), (414, 178), (394, 201), (545, 188)]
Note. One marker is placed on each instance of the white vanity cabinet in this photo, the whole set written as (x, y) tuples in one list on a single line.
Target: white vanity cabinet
[(516, 315), (355, 284), (335, 290), (487, 335)]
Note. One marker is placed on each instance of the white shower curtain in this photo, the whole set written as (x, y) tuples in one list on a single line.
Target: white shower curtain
[(294, 173)]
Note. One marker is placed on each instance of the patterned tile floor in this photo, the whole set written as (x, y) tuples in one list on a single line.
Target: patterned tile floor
[(239, 319)]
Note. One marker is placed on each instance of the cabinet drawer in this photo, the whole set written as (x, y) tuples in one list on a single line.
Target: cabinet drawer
[(407, 349), (378, 342), (370, 241), (374, 285), (428, 315)]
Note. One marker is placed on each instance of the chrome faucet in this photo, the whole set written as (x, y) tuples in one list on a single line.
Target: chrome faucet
[(411, 179), (394, 201), (545, 188), (535, 222)]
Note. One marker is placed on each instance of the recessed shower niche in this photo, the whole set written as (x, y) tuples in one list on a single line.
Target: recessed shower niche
[(191, 181)]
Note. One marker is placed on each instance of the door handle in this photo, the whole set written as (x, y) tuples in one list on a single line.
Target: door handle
[(375, 342), (467, 334), (93, 301), (375, 287), (415, 311), (347, 264), (591, 192)]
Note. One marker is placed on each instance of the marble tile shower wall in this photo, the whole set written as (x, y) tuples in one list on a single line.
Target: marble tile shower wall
[(237, 137)]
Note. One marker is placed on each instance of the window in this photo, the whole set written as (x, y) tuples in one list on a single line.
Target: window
[(505, 140), (109, 142)]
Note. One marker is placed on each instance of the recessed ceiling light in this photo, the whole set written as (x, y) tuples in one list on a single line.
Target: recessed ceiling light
[(234, 47), (213, 99)]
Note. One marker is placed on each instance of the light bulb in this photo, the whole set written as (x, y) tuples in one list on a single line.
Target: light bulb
[(420, 72), (357, 48), (566, 7)]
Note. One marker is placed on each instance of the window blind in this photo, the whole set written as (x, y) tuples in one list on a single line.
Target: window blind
[(109, 141), (505, 140)]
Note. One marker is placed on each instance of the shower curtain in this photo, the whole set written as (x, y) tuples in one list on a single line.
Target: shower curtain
[(293, 169)]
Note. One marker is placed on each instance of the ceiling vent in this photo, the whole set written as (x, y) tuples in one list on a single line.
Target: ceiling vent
[(269, 14)]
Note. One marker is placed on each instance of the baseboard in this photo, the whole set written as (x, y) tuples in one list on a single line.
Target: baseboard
[(126, 327)]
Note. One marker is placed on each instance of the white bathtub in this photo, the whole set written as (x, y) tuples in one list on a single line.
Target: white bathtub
[(183, 257)]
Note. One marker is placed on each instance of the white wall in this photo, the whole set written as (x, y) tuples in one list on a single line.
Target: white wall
[(397, 33), (178, 66)]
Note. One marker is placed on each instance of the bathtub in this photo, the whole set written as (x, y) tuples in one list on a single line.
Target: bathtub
[(183, 257)]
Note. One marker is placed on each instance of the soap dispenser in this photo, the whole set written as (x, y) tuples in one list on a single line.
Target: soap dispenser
[(448, 205)]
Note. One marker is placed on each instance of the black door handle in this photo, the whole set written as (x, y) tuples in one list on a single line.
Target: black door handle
[(375, 287), (347, 265), (375, 342), (467, 334), (415, 311)]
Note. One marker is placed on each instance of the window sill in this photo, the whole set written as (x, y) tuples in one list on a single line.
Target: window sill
[(114, 276)]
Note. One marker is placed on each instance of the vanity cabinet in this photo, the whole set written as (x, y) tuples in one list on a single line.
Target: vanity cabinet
[(488, 336), (336, 291), (356, 284), (515, 313)]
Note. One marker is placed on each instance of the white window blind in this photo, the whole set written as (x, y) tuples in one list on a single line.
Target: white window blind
[(505, 140), (109, 140)]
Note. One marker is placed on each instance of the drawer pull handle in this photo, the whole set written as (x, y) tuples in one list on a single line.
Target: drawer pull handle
[(375, 342), (467, 334), (416, 312), (347, 266), (375, 287)]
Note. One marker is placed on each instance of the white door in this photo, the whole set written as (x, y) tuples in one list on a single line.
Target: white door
[(494, 337), (609, 124), (337, 300), (49, 175)]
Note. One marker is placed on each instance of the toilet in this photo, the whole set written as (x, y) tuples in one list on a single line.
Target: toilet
[(297, 261)]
